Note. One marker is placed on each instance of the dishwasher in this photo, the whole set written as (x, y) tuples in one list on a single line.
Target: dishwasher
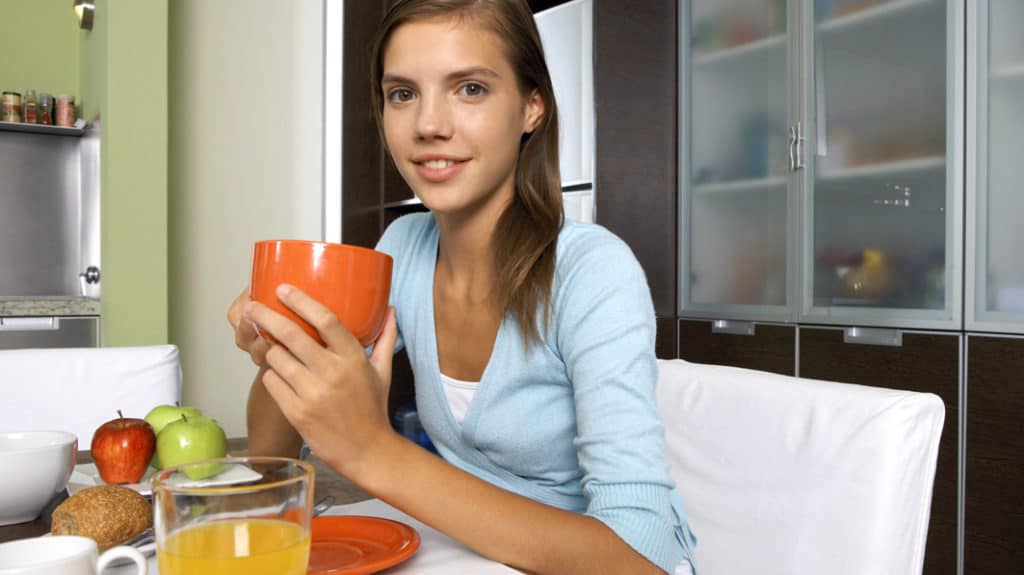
[(52, 331)]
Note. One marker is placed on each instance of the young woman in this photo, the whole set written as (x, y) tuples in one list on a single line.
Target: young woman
[(531, 339)]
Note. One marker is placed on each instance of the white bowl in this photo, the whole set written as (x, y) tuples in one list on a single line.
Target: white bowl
[(34, 466)]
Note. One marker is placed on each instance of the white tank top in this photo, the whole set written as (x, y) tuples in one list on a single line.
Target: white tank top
[(460, 395)]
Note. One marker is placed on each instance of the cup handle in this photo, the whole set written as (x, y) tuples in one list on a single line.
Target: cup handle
[(122, 551)]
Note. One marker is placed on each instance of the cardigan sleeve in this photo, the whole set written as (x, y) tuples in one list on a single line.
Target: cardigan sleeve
[(605, 326), (396, 241)]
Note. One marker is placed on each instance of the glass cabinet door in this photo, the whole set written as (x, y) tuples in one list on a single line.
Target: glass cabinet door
[(881, 190), (736, 105), (995, 298)]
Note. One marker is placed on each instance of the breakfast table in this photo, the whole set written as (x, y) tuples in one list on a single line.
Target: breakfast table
[(437, 553)]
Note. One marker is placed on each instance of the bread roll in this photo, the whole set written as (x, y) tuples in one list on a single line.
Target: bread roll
[(107, 514)]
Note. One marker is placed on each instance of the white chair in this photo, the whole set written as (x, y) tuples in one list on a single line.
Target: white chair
[(791, 476), (79, 389)]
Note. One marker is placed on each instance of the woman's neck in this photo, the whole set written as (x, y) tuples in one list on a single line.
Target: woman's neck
[(465, 260)]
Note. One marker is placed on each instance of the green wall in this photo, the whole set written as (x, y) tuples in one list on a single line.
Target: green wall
[(133, 205), (38, 46)]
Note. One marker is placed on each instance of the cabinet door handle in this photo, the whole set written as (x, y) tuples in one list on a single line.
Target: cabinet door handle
[(29, 323), (732, 327), (792, 146), (799, 145), (873, 336)]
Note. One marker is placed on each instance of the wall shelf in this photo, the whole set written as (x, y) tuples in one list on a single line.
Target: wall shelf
[(40, 129)]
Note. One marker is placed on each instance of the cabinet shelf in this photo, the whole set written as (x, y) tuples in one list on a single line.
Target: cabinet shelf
[(857, 21), (899, 167), (40, 129), (747, 51), (735, 186), (1009, 74), (403, 204)]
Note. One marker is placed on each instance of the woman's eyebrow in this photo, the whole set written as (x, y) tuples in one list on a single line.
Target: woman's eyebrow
[(473, 71), (395, 79), (450, 77)]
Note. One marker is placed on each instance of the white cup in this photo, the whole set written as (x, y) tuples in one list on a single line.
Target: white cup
[(62, 555)]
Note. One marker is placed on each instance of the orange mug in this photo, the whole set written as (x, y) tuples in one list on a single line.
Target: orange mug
[(351, 281)]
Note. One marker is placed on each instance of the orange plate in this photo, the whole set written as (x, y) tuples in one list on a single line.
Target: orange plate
[(354, 545)]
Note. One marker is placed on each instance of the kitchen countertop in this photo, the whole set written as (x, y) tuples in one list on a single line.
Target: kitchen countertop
[(48, 306)]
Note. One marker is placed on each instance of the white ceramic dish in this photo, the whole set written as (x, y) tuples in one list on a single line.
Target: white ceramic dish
[(34, 467), (86, 475)]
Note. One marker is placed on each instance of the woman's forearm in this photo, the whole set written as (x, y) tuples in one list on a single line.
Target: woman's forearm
[(269, 432), (496, 523)]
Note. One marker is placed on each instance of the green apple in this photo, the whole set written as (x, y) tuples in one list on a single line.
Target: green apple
[(161, 415), (191, 439)]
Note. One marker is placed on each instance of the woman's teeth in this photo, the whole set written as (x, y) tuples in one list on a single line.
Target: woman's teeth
[(438, 164)]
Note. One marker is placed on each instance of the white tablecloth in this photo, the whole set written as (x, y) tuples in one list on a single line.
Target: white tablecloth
[(438, 554)]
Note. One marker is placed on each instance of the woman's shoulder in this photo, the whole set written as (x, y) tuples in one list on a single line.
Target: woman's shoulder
[(588, 244)]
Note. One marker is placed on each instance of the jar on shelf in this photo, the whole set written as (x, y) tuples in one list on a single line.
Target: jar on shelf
[(10, 107), (65, 111), (45, 106), (30, 107)]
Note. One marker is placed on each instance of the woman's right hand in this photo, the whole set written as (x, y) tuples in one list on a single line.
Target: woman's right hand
[(246, 337)]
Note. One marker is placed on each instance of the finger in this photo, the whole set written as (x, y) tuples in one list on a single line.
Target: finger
[(289, 334), (384, 348), (282, 394), (258, 351), (291, 370), (249, 340), (335, 335), (236, 307)]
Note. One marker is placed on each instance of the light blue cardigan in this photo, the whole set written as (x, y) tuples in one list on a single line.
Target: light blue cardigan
[(572, 423)]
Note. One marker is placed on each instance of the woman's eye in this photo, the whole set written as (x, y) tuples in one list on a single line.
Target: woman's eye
[(473, 89), (400, 95)]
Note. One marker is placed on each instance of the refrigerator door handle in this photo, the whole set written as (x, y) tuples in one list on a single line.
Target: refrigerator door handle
[(29, 323)]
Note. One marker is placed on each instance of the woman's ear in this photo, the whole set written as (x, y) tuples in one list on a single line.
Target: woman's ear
[(534, 111)]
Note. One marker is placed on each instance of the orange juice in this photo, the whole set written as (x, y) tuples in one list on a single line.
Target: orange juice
[(236, 547)]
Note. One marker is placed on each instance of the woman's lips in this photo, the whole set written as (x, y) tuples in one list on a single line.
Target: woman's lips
[(437, 171)]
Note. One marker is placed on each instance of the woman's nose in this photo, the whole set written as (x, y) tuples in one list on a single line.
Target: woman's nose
[(434, 119)]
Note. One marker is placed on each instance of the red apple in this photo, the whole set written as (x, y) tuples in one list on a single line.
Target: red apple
[(122, 448)]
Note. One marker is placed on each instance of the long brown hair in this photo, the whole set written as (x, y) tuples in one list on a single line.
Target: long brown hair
[(526, 234)]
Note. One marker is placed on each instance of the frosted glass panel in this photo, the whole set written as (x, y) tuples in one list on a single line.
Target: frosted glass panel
[(879, 195), (738, 114), (739, 254), (1004, 262)]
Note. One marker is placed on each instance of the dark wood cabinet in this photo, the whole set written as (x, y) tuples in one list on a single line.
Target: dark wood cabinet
[(994, 456), (925, 362), (636, 193), (636, 181), (770, 348)]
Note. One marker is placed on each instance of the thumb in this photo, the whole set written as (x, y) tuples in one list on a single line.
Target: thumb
[(384, 348)]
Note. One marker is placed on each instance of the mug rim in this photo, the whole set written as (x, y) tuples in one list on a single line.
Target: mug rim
[(159, 479), (323, 243), (85, 546)]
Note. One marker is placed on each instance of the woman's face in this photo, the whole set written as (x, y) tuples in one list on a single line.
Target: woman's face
[(453, 115)]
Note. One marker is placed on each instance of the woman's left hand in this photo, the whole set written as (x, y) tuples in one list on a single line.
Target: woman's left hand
[(335, 396)]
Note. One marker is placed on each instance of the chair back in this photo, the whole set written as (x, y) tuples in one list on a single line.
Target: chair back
[(791, 476), (78, 389)]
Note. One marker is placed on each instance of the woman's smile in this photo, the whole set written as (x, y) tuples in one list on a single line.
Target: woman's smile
[(437, 169)]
